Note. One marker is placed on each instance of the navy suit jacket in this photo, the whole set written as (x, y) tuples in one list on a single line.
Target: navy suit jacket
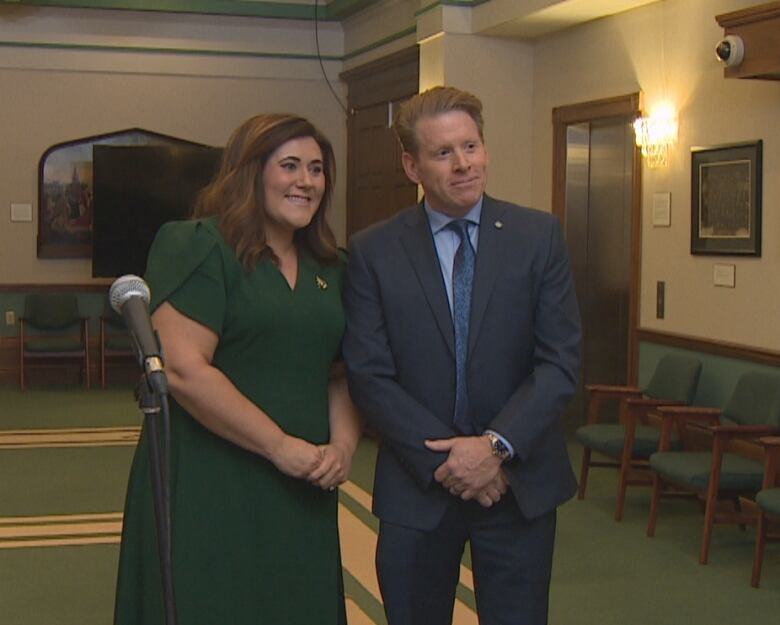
[(524, 349)]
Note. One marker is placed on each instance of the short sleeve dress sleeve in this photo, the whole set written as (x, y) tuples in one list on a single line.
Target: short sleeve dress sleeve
[(186, 268)]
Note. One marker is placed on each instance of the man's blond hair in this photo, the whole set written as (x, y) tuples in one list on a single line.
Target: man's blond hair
[(430, 103)]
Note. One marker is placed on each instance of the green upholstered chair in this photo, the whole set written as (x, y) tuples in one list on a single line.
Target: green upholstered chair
[(627, 445), (115, 342), (60, 332), (721, 458), (768, 500)]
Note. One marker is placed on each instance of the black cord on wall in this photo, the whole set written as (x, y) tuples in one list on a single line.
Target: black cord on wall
[(319, 57)]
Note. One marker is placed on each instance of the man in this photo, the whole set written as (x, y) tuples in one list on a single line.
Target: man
[(462, 348)]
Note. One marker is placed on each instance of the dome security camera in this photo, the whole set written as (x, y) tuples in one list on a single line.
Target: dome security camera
[(730, 50)]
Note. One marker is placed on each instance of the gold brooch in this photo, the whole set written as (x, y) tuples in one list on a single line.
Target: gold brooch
[(321, 284)]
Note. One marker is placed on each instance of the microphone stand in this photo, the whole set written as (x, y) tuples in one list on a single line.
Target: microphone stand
[(152, 396)]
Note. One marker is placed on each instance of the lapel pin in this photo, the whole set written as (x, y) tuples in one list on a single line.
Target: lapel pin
[(321, 284), (498, 225)]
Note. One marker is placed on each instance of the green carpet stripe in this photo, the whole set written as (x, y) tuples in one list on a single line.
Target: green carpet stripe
[(359, 511), (60, 519), (51, 543), (365, 600), (466, 596)]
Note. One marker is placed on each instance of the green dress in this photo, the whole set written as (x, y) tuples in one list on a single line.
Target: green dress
[(250, 545)]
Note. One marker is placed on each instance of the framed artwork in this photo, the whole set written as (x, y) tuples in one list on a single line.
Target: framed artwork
[(726, 200), (66, 188)]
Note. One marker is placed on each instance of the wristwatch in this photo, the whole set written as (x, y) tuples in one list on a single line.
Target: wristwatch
[(497, 447)]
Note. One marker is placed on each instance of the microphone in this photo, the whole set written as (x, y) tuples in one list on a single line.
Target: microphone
[(129, 296)]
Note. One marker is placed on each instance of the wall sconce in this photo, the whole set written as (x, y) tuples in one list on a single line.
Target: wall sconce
[(655, 134)]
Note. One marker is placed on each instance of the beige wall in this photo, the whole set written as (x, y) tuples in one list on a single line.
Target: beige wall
[(50, 95), (378, 31), (500, 72), (666, 49), (663, 49)]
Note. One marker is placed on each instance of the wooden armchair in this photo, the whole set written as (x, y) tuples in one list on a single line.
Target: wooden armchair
[(60, 332), (721, 457), (628, 444), (768, 500)]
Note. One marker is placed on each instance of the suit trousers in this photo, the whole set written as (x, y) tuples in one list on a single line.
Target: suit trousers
[(511, 562)]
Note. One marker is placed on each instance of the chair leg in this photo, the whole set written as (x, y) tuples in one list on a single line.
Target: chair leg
[(713, 488), (621, 494), (21, 354), (758, 556), (739, 510), (623, 473), (86, 353), (584, 473), (654, 505), (709, 521)]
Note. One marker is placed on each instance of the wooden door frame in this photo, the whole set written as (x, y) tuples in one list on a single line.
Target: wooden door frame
[(382, 80), (564, 116)]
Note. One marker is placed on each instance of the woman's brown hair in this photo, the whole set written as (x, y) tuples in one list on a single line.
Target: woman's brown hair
[(235, 195)]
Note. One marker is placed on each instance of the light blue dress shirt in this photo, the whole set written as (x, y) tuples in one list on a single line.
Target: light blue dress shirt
[(447, 241)]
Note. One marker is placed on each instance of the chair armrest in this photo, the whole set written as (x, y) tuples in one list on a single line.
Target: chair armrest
[(689, 413), (599, 393), (749, 434), (752, 431), (616, 390), (770, 441), (650, 402), (681, 416), (634, 409)]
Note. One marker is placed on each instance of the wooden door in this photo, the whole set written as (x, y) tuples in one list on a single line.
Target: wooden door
[(376, 184), (379, 185)]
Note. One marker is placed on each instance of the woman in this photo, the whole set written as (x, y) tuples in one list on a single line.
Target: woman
[(246, 300)]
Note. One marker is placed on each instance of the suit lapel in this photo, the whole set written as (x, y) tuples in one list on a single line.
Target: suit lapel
[(488, 265), (417, 241)]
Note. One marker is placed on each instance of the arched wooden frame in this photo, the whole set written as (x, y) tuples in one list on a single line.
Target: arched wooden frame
[(65, 190)]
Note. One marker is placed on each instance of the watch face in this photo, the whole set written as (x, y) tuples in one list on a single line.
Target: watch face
[(499, 449)]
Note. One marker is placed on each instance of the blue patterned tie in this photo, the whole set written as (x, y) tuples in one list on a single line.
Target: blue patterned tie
[(462, 281)]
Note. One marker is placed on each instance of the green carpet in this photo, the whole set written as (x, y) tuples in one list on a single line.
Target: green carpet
[(35, 408), (63, 481), (608, 573), (605, 573)]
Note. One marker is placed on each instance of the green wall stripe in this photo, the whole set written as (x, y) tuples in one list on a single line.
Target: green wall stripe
[(339, 9), (237, 8), (207, 51), (469, 4), (367, 602), (334, 11), (378, 44), (161, 50)]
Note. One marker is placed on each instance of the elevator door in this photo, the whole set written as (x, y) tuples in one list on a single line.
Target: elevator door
[(599, 164)]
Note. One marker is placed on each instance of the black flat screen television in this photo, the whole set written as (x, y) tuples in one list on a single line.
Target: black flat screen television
[(136, 190)]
